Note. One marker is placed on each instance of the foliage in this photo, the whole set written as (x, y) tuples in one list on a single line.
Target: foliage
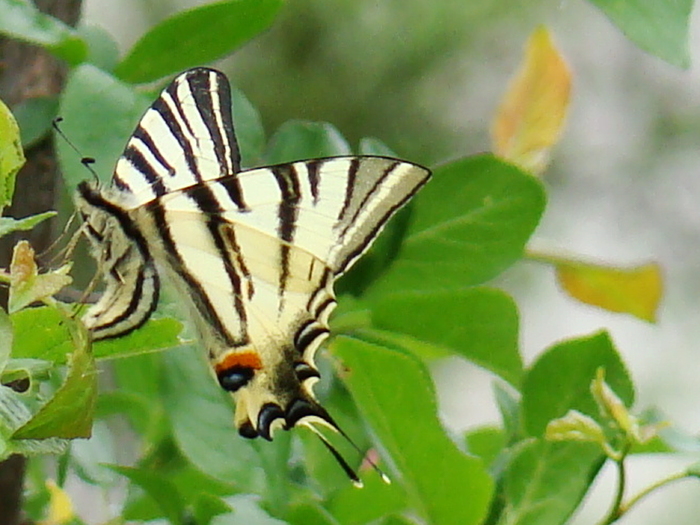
[(420, 295)]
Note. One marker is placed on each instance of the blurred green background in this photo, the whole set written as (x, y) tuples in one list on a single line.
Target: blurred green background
[(426, 76)]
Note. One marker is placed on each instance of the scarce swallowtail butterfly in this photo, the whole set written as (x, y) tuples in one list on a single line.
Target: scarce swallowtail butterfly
[(252, 253)]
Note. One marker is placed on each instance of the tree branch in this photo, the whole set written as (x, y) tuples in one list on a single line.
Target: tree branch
[(28, 71)]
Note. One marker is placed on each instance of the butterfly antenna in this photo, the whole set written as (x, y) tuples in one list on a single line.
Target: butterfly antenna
[(85, 161)]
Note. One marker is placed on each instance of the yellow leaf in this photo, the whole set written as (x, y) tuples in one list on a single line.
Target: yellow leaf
[(575, 426), (635, 291), (26, 284), (60, 506), (612, 407), (23, 266), (531, 116)]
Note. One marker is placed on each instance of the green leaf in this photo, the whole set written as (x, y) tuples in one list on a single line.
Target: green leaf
[(13, 414), (158, 487), (300, 140), (5, 339), (545, 482), (100, 132), (41, 333), (202, 419), (9, 225), (250, 134), (207, 507), (247, 512), (34, 116), (372, 146), (357, 507), (394, 392), (469, 223), (486, 442), (68, 414), (21, 20), (138, 409), (154, 336), (560, 380), (140, 375), (198, 493), (103, 49), (196, 36), (509, 407), (306, 513), (11, 154), (660, 28), (396, 520), (482, 324)]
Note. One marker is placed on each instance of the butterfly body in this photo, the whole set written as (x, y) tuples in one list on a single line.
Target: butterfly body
[(253, 254)]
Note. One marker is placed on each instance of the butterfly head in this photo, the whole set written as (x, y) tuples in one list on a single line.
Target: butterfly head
[(272, 395)]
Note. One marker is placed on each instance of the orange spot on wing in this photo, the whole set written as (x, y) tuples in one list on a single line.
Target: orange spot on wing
[(247, 359)]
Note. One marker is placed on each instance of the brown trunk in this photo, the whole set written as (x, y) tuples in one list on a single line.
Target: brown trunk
[(28, 71)]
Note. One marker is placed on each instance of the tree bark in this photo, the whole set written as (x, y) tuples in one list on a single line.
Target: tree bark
[(29, 71)]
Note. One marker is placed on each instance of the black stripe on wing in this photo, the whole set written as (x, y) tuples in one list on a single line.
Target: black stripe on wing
[(349, 187), (287, 213), (379, 212), (368, 195), (185, 137), (312, 167), (217, 118), (198, 296), (209, 205), (144, 292), (147, 140), (139, 162), (182, 136)]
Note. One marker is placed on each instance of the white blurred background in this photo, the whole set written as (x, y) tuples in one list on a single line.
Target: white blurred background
[(624, 187)]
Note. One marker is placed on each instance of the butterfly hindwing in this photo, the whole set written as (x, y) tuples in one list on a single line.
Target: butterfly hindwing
[(131, 282)]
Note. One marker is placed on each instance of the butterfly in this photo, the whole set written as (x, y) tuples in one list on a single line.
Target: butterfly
[(252, 253)]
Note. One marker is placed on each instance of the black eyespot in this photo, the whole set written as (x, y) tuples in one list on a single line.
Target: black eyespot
[(235, 378), (305, 371)]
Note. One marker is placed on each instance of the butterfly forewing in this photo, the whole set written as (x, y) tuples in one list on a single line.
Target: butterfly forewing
[(253, 254), (184, 138)]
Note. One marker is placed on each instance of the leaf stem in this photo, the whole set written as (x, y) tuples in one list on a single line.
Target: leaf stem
[(615, 509), (543, 257), (651, 488), (618, 508)]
